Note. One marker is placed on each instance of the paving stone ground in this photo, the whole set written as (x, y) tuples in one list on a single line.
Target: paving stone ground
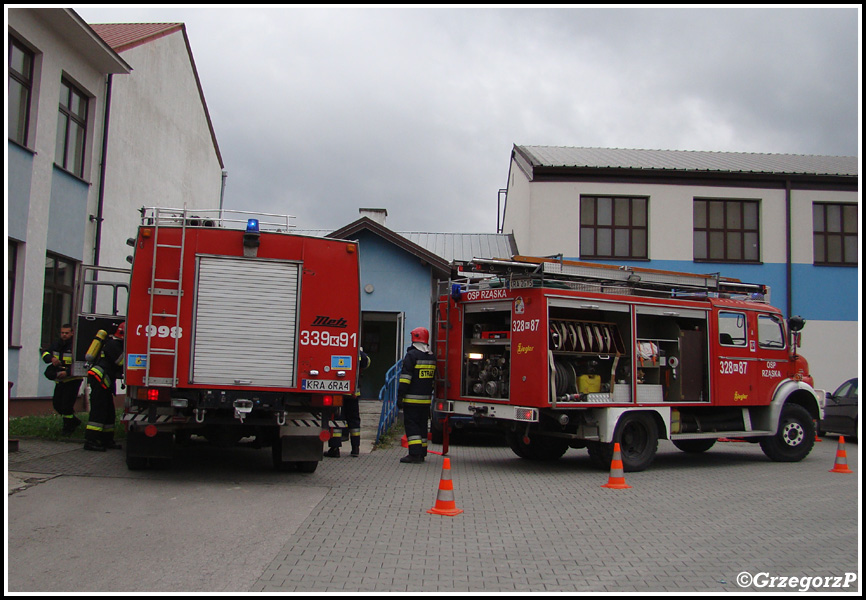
[(690, 523)]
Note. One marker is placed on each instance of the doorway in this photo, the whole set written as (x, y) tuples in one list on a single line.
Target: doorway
[(382, 340)]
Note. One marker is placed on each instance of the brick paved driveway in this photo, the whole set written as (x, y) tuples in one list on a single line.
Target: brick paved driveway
[(691, 523)]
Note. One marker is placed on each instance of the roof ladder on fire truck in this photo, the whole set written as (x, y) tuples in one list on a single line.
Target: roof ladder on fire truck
[(441, 334), (165, 253), (526, 271)]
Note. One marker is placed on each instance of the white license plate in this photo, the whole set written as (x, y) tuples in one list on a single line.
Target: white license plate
[(325, 385)]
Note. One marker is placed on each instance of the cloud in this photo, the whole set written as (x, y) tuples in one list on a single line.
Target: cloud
[(322, 110)]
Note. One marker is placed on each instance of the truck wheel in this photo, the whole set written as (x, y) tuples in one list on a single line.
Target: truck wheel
[(437, 431), (307, 466), (795, 437), (136, 463), (694, 446), (515, 442), (547, 449), (600, 454), (638, 437)]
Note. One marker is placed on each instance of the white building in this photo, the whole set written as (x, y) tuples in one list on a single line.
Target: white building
[(98, 128), (788, 221)]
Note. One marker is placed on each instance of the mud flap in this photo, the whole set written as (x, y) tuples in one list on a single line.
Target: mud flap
[(158, 446)]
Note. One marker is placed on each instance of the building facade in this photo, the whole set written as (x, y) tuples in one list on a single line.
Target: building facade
[(788, 221), (95, 133)]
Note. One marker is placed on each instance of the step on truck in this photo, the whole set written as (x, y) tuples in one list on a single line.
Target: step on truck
[(564, 354), (237, 330)]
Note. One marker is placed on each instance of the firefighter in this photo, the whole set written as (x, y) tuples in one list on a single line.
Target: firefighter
[(351, 413), (415, 393), (66, 388), (99, 435)]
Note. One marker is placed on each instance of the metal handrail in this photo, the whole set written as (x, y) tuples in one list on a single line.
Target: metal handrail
[(388, 396)]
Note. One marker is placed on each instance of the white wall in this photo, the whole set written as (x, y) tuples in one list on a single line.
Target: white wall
[(55, 58), (545, 217), (160, 149)]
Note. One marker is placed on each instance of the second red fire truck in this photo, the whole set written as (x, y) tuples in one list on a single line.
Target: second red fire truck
[(565, 354)]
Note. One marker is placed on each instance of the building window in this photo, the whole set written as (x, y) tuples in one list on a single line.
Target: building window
[(613, 227), (726, 230), (11, 276), (71, 129), (20, 86), (57, 296), (834, 233)]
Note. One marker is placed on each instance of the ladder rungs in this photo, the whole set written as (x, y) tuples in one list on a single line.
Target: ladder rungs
[(168, 280), (164, 315), (169, 246), (163, 351)]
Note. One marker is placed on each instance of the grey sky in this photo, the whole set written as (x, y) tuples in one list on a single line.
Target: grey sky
[(321, 110)]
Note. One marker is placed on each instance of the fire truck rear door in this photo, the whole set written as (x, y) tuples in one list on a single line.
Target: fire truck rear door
[(245, 322)]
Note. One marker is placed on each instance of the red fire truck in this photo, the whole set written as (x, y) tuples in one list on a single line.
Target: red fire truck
[(237, 329), (569, 354)]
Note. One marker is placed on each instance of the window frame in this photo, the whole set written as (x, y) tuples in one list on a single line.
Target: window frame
[(847, 258), (734, 236), (68, 118), (593, 226), (25, 80), (54, 287)]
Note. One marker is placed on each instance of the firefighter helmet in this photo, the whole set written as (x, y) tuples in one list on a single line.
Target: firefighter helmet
[(420, 334), (121, 329)]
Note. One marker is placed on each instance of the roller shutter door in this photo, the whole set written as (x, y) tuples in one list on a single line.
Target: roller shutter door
[(245, 322)]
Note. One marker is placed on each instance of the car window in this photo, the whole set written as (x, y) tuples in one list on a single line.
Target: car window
[(849, 388)]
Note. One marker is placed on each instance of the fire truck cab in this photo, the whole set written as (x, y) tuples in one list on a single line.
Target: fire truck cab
[(568, 354)]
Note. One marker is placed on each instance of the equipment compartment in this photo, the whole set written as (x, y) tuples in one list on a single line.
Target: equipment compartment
[(487, 351)]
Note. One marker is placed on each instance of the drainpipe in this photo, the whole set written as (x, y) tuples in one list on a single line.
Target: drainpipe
[(101, 198), (788, 266), (223, 191)]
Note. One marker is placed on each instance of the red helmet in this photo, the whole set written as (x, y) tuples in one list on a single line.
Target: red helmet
[(121, 329), (420, 334)]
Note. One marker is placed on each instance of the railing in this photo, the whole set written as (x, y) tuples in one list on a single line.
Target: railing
[(388, 396), (214, 217)]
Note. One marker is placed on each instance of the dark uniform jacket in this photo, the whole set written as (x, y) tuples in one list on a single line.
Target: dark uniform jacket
[(109, 365), (417, 377), (61, 349)]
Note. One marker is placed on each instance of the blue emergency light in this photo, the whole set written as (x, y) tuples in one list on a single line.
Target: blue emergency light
[(251, 235)]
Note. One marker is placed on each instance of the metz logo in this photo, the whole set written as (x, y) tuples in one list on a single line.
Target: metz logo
[(321, 321)]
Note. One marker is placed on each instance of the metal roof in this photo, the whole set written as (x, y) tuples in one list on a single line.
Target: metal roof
[(464, 246), (680, 160), (450, 246)]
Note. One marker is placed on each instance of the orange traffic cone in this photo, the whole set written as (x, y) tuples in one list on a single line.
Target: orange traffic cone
[(404, 441), (616, 480), (841, 464), (445, 504)]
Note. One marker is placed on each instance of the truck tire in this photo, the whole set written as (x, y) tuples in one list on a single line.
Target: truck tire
[(795, 437), (136, 463), (307, 466), (694, 446), (547, 449), (515, 442), (638, 437), (538, 448), (600, 454)]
